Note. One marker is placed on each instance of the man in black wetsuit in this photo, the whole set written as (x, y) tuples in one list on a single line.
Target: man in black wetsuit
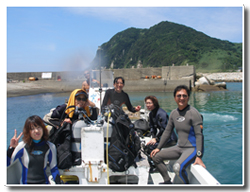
[(188, 123), (118, 97)]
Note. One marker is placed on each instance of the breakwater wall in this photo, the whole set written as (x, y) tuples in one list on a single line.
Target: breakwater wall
[(135, 80), (166, 78), (159, 79), (63, 75), (166, 72), (154, 85)]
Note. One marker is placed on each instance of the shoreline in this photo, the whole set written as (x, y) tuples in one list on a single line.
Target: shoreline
[(16, 89)]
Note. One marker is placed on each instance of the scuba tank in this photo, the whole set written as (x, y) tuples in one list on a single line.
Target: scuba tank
[(76, 136)]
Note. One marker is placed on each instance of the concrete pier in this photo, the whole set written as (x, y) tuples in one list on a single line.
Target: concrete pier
[(165, 80), (154, 85)]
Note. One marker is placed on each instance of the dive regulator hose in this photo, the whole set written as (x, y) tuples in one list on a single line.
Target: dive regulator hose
[(107, 146)]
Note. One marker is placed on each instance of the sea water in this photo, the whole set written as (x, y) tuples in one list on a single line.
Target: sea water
[(221, 110)]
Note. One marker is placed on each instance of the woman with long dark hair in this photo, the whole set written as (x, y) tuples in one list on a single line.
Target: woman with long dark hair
[(35, 152)]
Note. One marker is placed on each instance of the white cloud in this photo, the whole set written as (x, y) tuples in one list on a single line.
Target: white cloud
[(219, 22), (141, 17)]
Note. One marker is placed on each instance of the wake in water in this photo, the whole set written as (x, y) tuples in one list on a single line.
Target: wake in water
[(216, 117)]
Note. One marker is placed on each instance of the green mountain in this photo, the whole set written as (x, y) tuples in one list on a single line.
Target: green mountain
[(169, 43)]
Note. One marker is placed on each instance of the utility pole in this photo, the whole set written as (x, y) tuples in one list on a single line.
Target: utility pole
[(100, 63)]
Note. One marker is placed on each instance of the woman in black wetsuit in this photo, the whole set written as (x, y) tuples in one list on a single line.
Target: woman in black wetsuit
[(158, 120), (118, 97)]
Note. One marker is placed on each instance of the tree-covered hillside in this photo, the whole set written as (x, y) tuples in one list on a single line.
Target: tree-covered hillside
[(169, 43)]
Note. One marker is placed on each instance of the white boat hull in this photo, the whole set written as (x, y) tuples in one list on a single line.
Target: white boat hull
[(197, 176), (94, 171)]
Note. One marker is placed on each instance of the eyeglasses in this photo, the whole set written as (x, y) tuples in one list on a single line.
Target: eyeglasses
[(149, 103), (81, 98), (179, 96)]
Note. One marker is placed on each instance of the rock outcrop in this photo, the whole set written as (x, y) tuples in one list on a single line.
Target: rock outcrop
[(206, 87), (205, 84)]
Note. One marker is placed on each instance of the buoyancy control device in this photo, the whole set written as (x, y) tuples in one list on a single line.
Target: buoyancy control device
[(125, 143)]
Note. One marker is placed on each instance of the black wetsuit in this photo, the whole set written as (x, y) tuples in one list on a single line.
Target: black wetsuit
[(111, 96), (158, 120)]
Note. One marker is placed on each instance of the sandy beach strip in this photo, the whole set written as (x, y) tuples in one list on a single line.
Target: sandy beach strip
[(41, 86)]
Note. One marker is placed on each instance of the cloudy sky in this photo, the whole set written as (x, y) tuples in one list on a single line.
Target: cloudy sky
[(59, 38)]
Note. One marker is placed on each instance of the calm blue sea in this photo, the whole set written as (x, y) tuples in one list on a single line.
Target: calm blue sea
[(222, 112)]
